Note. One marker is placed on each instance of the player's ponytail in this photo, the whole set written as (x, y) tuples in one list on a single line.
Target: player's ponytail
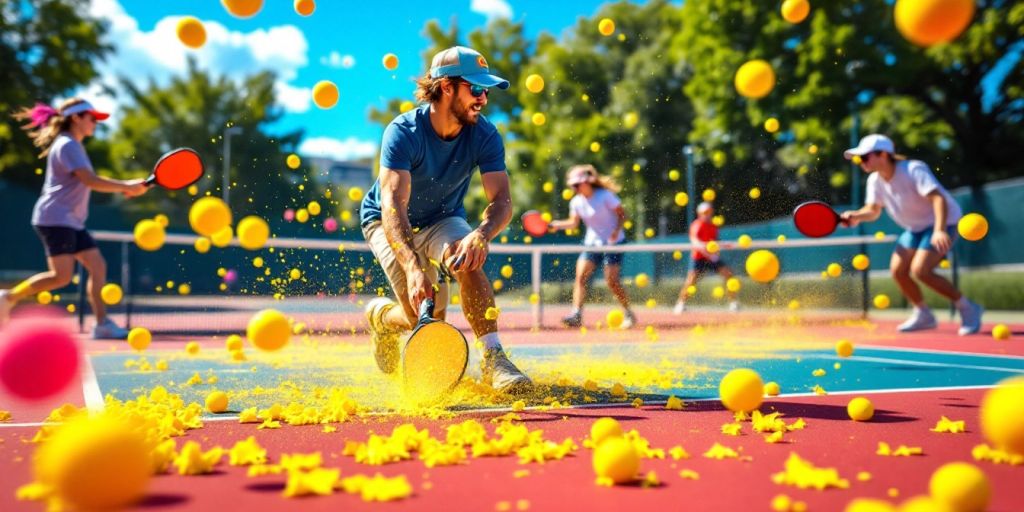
[(44, 123)]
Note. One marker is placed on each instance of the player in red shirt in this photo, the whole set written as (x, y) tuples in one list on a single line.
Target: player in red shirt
[(702, 231)]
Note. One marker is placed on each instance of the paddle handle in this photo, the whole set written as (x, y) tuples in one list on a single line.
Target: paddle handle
[(427, 310), (150, 181)]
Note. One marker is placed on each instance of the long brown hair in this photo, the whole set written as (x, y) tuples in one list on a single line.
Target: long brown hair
[(428, 90), (598, 181), (45, 123)]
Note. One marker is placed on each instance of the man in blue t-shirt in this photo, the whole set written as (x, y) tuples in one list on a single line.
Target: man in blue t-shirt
[(413, 217)]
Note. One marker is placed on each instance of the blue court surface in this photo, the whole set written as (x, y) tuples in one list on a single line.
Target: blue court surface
[(649, 371)]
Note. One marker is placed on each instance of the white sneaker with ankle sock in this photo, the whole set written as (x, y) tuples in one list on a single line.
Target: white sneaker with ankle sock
[(920, 319), (970, 316), (679, 309)]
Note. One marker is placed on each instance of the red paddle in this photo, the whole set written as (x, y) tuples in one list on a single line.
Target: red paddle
[(176, 169), (816, 219), (534, 223)]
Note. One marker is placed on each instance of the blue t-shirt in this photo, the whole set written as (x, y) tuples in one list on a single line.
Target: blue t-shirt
[(440, 170)]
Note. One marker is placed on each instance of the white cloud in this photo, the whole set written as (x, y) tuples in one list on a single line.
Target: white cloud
[(491, 8), (348, 149), (294, 99), (337, 60), (158, 55)]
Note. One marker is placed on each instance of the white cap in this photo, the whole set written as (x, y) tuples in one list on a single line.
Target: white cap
[(873, 142), (704, 206), (84, 106)]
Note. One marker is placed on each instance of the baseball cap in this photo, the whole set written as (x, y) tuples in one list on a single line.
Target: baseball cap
[(581, 174), (870, 143), (467, 64), (85, 106), (704, 206)]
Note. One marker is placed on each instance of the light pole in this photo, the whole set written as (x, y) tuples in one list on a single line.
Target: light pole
[(691, 183), (226, 185), (851, 72)]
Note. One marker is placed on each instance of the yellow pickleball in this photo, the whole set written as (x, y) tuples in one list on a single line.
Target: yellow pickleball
[(217, 401), (192, 348), (139, 338), (930, 22), (708, 195), (606, 27), (733, 284), (771, 125), (202, 245), (754, 79), (305, 7), (762, 266), (682, 199), (861, 262), (603, 429), (615, 318), (961, 487), (149, 235), (95, 463), (972, 227), (253, 232), (538, 119), (293, 161), (834, 270), (355, 194), (1001, 332), (223, 237), (744, 241), (881, 301), (860, 409), (506, 271), (755, 193), (325, 94), (795, 11), (390, 61), (111, 294), (268, 330), (1002, 415), (844, 348), (534, 83), (617, 460), (741, 390), (191, 32), (243, 8), (209, 215), (642, 280)]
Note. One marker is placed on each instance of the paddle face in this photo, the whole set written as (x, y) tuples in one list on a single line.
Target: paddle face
[(177, 169), (434, 359), (815, 219), (534, 224)]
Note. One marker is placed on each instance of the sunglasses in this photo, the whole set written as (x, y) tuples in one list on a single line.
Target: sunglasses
[(868, 155), (475, 90)]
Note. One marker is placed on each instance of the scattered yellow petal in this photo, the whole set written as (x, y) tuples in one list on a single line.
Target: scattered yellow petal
[(985, 452), (192, 460), (732, 429), (329, 429), (901, 451), (674, 404), (650, 480), (802, 474), (720, 452), (378, 488), (820, 372), (947, 425), (689, 474), (863, 476), (677, 452), (318, 481), (521, 473), (774, 437), (818, 390), (247, 453), (248, 415)]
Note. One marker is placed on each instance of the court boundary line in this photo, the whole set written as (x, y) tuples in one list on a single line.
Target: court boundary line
[(538, 408), (919, 363), (91, 392)]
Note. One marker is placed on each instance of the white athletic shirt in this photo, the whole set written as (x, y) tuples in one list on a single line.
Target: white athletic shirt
[(64, 200), (598, 213), (905, 196)]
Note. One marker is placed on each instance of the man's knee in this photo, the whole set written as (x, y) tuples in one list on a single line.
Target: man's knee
[(920, 270)]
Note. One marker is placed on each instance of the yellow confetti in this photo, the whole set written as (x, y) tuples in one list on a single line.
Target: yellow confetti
[(674, 404), (377, 488), (192, 460), (774, 437), (720, 452), (247, 453), (802, 474), (947, 425), (732, 429), (248, 416), (678, 453), (901, 451), (820, 372), (689, 474), (318, 481), (984, 452)]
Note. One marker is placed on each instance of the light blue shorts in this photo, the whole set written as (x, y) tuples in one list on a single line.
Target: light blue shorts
[(922, 240)]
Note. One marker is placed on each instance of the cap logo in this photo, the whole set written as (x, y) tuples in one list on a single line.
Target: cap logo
[(481, 61)]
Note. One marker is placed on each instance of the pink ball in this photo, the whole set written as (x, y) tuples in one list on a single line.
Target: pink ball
[(289, 215), (231, 276), (330, 225), (38, 358)]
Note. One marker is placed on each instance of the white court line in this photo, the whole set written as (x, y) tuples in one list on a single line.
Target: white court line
[(91, 387), (918, 363)]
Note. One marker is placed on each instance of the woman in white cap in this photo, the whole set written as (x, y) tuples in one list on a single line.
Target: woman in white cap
[(702, 261), (916, 201), (59, 214), (596, 204)]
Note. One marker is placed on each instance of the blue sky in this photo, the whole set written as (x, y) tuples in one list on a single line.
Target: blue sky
[(343, 41)]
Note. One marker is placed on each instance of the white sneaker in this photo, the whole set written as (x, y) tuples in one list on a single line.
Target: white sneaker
[(6, 305), (385, 342), (919, 320), (628, 320), (108, 330), (970, 319), (504, 375), (734, 306), (679, 309)]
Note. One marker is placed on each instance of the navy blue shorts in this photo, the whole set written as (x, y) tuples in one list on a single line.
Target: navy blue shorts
[(59, 240), (608, 258), (702, 267)]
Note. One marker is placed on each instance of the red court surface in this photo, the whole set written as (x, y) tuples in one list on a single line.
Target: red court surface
[(830, 439)]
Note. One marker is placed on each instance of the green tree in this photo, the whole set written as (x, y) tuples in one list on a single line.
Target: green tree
[(193, 111), (47, 48)]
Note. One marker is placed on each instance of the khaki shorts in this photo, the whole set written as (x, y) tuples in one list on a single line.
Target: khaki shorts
[(429, 244)]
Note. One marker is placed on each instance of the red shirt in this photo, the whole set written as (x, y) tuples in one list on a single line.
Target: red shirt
[(705, 232)]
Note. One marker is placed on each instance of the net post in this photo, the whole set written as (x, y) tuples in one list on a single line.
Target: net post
[(535, 279), (126, 283), (125, 277), (81, 297), (865, 286)]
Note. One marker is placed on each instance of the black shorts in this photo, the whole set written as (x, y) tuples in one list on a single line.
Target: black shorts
[(59, 240), (702, 267)]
